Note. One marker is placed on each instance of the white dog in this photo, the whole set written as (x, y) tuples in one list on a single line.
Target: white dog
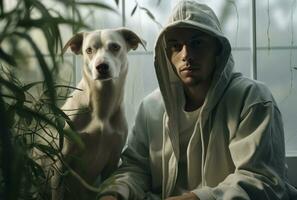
[(96, 110)]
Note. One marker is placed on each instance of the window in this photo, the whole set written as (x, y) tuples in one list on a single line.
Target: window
[(276, 26)]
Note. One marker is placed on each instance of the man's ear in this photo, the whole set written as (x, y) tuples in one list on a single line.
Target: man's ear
[(75, 44), (219, 47), (132, 38)]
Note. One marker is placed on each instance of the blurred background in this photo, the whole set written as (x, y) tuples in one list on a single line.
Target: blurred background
[(276, 28), (275, 34)]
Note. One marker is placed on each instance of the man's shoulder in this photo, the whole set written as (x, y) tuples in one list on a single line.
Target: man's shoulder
[(245, 84), (155, 97), (247, 89), (154, 101)]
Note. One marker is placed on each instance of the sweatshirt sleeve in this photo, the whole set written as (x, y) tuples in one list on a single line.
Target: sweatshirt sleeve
[(132, 179), (258, 153)]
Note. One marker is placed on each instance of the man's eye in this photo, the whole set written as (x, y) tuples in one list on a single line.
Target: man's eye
[(89, 50), (114, 47), (176, 47), (195, 44)]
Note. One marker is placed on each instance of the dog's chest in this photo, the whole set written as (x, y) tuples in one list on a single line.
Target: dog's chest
[(82, 119), (101, 140), (88, 122)]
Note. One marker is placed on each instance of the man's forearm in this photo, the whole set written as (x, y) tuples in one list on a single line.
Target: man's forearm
[(186, 196), (109, 197)]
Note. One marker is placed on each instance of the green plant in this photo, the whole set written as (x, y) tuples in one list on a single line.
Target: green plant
[(24, 115)]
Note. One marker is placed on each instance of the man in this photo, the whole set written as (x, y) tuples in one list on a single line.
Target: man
[(208, 133)]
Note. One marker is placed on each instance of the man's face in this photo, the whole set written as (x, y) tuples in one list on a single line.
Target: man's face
[(193, 55)]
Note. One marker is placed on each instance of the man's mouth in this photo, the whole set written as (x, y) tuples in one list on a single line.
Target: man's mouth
[(189, 69)]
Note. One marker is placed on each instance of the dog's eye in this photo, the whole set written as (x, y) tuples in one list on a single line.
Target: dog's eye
[(114, 47), (89, 50)]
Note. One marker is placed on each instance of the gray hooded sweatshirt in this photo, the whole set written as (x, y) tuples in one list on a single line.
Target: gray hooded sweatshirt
[(236, 150)]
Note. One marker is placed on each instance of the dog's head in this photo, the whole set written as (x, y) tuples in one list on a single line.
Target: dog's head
[(104, 51)]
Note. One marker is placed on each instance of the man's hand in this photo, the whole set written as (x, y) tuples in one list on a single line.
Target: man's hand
[(186, 196), (109, 197)]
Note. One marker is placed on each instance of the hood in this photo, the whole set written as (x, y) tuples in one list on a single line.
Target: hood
[(191, 14)]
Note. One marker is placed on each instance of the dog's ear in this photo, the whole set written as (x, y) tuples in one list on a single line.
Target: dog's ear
[(75, 44), (132, 38)]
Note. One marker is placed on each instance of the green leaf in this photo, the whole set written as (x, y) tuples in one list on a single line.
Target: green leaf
[(73, 136), (30, 85), (54, 37), (23, 114), (134, 9), (7, 58), (43, 65), (76, 4), (61, 139), (150, 15), (1, 8), (60, 120), (24, 178), (59, 112), (46, 149), (67, 86), (78, 17), (38, 116), (36, 168), (18, 92), (99, 5), (10, 116), (18, 163), (148, 12)]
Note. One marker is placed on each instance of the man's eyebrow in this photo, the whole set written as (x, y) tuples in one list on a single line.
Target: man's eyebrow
[(197, 36), (171, 40)]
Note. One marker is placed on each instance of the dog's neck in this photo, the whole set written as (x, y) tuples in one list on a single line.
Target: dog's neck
[(106, 97)]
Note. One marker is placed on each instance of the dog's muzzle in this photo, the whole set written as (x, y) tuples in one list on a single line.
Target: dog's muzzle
[(103, 69)]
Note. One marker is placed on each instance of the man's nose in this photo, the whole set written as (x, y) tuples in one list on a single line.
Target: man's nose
[(186, 53)]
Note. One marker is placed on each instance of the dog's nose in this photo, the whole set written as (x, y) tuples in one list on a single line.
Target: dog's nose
[(102, 68)]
